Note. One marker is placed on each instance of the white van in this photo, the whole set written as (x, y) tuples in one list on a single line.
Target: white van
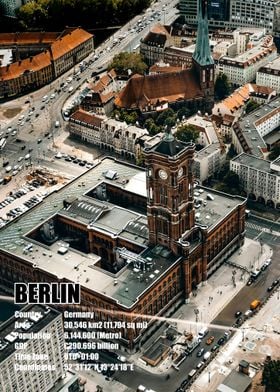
[(56, 124), (206, 356), (204, 331)]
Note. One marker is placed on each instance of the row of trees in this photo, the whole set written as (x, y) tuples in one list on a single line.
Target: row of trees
[(52, 15)]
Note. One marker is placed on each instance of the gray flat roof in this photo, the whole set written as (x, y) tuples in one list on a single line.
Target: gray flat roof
[(252, 161), (249, 130), (236, 382), (274, 64), (80, 267), (48, 314)]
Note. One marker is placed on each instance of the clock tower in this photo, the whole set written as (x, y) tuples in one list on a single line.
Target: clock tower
[(170, 207)]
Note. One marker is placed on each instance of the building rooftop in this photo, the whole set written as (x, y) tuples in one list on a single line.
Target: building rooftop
[(252, 161), (144, 90), (272, 65), (253, 54), (206, 151), (86, 118), (235, 382), (250, 126), (75, 266), (58, 46), (39, 320)]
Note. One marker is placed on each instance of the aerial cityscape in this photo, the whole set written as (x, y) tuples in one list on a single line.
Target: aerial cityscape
[(139, 196)]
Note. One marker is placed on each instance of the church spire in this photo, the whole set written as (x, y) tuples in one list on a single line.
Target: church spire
[(202, 54)]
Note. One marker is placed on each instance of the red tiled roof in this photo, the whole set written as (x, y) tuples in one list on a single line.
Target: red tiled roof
[(32, 64), (61, 46), (28, 38), (155, 89), (164, 68), (85, 117), (69, 41)]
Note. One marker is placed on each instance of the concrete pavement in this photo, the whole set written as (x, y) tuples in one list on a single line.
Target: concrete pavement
[(212, 297)]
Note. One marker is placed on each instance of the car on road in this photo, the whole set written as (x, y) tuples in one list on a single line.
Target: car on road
[(215, 348), (270, 288), (238, 313), (39, 141), (238, 321), (23, 147), (221, 341), (199, 365), (250, 281), (275, 283), (27, 156), (267, 262), (184, 383), (264, 267), (210, 340), (248, 313), (200, 352)]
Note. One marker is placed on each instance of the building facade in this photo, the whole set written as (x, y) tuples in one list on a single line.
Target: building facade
[(259, 178), (109, 134), (269, 75), (16, 364), (243, 68), (233, 13)]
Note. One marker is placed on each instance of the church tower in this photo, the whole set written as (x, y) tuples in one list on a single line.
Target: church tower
[(170, 208), (203, 63)]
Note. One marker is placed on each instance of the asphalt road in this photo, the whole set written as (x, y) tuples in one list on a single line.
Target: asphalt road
[(46, 112)]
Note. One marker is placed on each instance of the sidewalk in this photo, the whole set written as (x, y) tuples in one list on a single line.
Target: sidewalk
[(217, 292)]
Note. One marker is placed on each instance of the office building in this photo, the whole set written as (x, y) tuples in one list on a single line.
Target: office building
[(259, 178), (269, 75), (40, 364)]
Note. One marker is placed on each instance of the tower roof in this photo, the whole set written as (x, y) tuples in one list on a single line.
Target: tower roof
[(202, 54)]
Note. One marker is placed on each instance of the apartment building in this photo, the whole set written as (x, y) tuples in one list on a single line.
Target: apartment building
[(243, 68), (258, 131), (259, 178), (269, 75), (208, 161), (109, 134), (43, 352), (59, 55)]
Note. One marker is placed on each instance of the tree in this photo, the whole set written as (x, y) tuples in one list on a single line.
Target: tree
[(275, 152), (251, 106), (125, 61), (163, 116), (187, 133), (231, 179), (183, 112), (222, 86), (152, 128), (271, 376)]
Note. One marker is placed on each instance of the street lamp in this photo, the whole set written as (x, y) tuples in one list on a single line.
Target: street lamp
[(196, 312)]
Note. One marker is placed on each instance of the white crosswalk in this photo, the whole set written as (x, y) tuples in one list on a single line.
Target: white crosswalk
[(262, 229)]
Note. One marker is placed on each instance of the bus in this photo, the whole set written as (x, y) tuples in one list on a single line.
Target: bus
[(3, 142)]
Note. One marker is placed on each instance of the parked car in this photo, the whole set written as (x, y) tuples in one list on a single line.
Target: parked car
[(221, 341), (214, 348), (238, 313), (210, 340), (200, 352)]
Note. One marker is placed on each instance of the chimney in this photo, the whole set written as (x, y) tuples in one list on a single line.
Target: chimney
[(244, 367)]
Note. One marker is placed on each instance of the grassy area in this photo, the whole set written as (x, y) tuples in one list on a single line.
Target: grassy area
[(10, 113)]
